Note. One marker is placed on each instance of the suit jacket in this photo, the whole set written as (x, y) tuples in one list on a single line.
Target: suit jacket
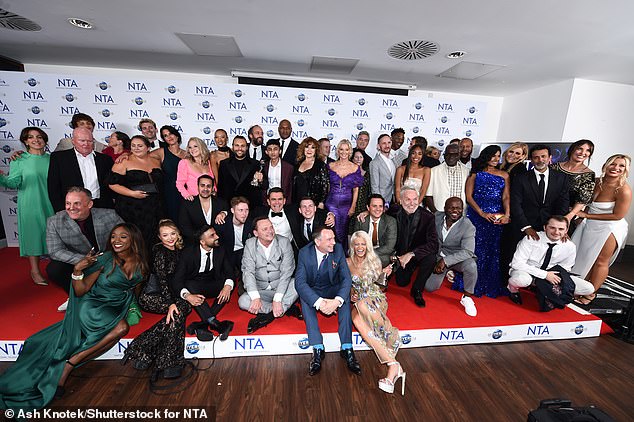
[(459, 244), (527, 208), (287, 181), (191, 216), (65, 241), (290, 212), (63, 173), (298, 223), (381, 181), (227, 235), (258, 273), (188, 267), (306, 273), (387, 235), (231, 184), (262, 149), (424, 240)]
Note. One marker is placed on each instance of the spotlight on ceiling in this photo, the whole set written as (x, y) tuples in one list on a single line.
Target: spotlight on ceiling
[(80, 23), (456, 54)]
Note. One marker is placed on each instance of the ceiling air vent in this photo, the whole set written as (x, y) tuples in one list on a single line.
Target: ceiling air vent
[(10, 20), (413, 50)]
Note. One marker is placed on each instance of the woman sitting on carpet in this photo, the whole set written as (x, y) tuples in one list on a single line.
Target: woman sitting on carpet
[(370, 308), (94, 322), (164, 342)]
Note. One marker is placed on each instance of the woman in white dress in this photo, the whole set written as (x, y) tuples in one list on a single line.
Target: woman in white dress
[(412, 174), (604, 230)]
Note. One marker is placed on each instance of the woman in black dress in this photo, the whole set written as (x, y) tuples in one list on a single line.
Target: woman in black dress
[(162, 345), (310, 177), (169, 156)]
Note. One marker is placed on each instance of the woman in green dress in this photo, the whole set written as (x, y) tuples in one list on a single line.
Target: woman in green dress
[(28, 174), (94, 322)]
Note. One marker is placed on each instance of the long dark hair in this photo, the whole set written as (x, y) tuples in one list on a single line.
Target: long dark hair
[(485, 156), (137, 246), (408, 161), (577, 144), (173, 131)]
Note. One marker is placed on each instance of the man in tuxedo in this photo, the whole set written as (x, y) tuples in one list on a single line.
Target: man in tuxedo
[(149, 130), (234, 228), (381, 227), (288, 146), (323, 282), (236, 174), (267, 270), (456, 240), (416, 244), (383, 169), (310, 217), (447, 180), (80, 166), (202, 210), (282, 216), (363, 139), (74, 233), (204, 272), (256, 143), (277, 173)]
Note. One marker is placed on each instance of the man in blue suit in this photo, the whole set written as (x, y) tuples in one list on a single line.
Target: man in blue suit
[(323, 282)]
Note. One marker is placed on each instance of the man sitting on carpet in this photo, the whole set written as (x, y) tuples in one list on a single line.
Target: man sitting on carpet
[(268, 265), (536, 259)]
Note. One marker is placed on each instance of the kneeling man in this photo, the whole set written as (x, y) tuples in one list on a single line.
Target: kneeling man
[(268, 265)]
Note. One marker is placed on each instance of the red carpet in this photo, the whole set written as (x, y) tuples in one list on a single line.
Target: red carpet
[(26, 308)]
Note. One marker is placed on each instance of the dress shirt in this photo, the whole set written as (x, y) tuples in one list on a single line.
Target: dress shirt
[(275, 174), (320, 257), (237, 237), (88, 171), (207, 214), (258, 151), (530, 255), (371, 230), (154, 144), (445, 231), (546, 174), (305, 228), (281, 225), (203, 260)]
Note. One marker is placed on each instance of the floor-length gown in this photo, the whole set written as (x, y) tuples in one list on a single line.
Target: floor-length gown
[(591, 235), (372, 308), (339, 201), (172, 197), (30, 383), (487, 193), (162, 344)]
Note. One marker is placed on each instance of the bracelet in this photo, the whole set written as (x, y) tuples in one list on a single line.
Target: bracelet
[(77, 277)]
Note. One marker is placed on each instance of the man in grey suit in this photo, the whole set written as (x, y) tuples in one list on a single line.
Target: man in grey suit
[(381, 227), (76, 232), (268, 265), (383, 169), (456, 238)]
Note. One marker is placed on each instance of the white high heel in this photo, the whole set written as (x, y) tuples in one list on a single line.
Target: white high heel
[(387, 385)]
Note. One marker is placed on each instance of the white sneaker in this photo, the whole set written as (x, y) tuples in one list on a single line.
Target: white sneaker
[(63, 306), (469, 306)]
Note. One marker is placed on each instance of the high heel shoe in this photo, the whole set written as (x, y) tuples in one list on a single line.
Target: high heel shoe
[(387, 385), (38, 279)]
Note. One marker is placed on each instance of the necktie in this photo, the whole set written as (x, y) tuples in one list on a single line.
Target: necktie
[(541, 187), (276, 214), (208, 262), (375, 234), (254, 154), (281, 147), (321, 264), (549, 254), (309, 231)]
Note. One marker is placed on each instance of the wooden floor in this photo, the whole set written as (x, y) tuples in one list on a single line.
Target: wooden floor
[(500, 382)]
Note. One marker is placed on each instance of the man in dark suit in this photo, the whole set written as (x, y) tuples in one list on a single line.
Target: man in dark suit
[(80, 166), (325, 147), (288, 145), (202, 210), (236, 174), (323, 283), (277, 173), (282, 215), (381, 227), (416, 244), (310, 217), (204, 272), (363, 139), (234, 228), (256, 150)]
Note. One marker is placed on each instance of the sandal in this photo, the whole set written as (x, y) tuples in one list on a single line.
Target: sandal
[(38, 279), (585, 300)]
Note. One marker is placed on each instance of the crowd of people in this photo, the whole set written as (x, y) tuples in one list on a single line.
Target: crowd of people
[(146, 224)]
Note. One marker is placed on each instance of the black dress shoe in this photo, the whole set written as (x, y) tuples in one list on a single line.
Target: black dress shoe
[(173, 372), (260, 321), (191, 328), (351, 361), (203, 334), (418, 298), (315, 362), (516, 298), (222, 327), (294, 311)]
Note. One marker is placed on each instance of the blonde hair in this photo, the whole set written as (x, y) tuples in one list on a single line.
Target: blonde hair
[(342, 142), (514, 145), (166, 222), (371, 265), (623, 177), (204, 151)]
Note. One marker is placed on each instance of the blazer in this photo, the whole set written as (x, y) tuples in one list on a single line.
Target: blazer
[(527, 208), (63, 173), (287, 181), (188, 266), (65, 241), (231, 184), (290, 155), (306, 273), (381, 181), (262, 149), (227, 235), (298, 223), (387, 235), (258, 272), (424, 240), (191, 217), (459, 244)]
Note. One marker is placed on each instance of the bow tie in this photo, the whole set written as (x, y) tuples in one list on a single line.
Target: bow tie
[(152, 144), (277, 214)]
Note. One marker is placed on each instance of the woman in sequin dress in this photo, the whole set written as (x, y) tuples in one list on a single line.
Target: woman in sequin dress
[(369, 313), (310, 177), (487, 192)]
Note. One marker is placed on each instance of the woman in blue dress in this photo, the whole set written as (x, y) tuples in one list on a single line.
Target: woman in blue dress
[(94, 322), (487, 193)]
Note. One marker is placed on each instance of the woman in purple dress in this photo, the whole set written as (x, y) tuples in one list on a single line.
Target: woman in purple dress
[(345, 179)]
